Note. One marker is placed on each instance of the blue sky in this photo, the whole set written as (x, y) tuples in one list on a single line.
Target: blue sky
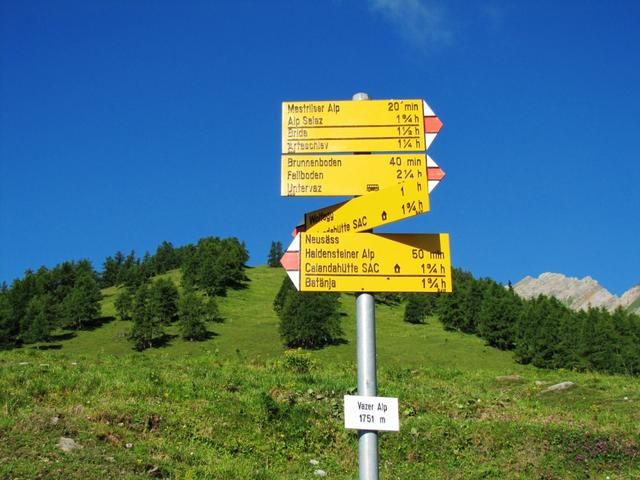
[(123, 124)]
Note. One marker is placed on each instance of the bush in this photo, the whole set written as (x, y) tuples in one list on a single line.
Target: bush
[(297, 361)]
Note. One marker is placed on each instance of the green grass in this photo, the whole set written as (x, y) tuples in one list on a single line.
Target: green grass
[(231, 407)]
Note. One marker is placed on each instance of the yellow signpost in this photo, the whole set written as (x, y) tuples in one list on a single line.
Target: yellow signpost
[(353, 126), (372, 210), (336, 251), (327, 175), (374, 262)]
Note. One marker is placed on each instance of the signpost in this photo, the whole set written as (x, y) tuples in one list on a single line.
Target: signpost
[(334, 175), (335, 250), (349, 126), (368, 262), (363, 213)]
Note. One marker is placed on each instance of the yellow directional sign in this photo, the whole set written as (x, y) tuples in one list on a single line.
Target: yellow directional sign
[(353, 126), (371, 210), (326, 175), (374, 262)]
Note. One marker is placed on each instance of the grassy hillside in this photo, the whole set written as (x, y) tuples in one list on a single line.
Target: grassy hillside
[(233, 406)]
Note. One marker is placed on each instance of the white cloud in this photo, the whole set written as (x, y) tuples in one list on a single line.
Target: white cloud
[(423, 23)]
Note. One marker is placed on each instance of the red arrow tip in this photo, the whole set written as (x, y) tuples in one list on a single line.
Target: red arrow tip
[(432, 124), (290, 261), (435, 173)]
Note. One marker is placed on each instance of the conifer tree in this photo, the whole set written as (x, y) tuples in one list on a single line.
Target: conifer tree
[(124, 304), (417, 308), (627, 327), (599, 342), (497, 317), (164, 300), (7, 333), (38, 320), (82, 303), (286, 288), (192, 311), (146, 326), (211, 312), (275, 254), (166, 258), (310, 320)]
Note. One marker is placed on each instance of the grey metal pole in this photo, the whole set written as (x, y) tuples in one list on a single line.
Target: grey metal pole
[(366, 363)]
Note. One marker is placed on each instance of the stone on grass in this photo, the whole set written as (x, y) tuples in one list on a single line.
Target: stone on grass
[(67, 444), (313, 461), (320, 473), (559, 387)]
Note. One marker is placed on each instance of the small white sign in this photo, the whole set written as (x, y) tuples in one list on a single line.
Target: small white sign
[(371, 413)]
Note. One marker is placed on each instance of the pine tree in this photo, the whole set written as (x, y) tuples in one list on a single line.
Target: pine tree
[(286, 288), (211, 312), (146, 326), (166, 258), (38, 320), (451, 309), (566, 353), (275, 254), (497, 317), (191, 312), (310, 320), (111, 270), (164, 300), (8, 335), (82, 304), (124, 304), (456, 309), (627, 327), (600, 342), (417, 308)]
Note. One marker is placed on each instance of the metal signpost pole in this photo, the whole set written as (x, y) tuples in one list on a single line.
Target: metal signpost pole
[(366, 363)]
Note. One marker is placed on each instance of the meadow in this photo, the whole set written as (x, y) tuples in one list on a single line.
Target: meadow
[(238, 405)]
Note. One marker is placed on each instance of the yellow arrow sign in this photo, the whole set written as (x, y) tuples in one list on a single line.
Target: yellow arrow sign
[(353, 126), (372, 262), (318, 175), (374, 209)]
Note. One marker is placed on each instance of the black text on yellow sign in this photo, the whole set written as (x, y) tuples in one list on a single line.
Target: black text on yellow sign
[(375, 262), (335, 175), (372, 210), (353, 126)]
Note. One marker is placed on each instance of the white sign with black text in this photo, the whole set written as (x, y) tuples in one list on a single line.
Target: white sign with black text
[(371, 413)]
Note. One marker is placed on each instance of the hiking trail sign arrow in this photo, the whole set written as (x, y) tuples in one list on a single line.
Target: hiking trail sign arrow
[(342, 174), (372, 210), (320, 142), (369, 262), (354, 126)]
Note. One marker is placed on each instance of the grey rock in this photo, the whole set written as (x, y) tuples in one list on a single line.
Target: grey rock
[(67, 444), (313, 461), (320, 473), (577, 294), (559, 387), (54, 420)]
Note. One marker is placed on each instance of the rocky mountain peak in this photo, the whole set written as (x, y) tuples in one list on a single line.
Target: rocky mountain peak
[(578, 294)]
